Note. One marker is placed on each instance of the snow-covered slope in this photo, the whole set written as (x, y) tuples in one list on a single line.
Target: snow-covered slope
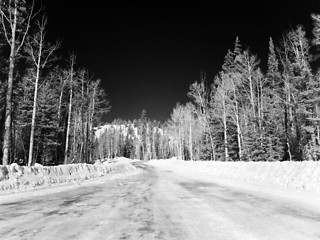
[(121, 127), (124, 129), (291, 175), (20, 177)]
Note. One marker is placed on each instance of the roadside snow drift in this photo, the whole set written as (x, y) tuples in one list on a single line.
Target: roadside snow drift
[(291, 175), (20, 177)]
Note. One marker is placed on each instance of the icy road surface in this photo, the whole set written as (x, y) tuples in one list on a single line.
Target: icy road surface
[(157, 203)]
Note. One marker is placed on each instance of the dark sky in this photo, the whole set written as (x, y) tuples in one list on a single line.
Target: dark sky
[(147, 53)]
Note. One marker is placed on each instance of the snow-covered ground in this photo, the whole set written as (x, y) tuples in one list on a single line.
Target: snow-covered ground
[(303, 176), (290, 175), (15, 177), (166, 199)]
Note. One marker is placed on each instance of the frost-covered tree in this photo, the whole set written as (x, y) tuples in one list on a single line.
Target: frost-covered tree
[(200, 94), (40, 54), (15, 17)]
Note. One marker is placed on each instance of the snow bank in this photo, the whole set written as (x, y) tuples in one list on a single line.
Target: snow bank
[(292, 175), (19, 177)]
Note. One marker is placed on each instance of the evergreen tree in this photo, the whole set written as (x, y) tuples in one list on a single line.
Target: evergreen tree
[(316, 29), (296, 74), (129, 143), (274, 124), (142, 131)]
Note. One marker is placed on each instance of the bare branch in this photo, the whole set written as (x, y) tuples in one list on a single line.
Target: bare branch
[(10, 13), (30, 51), (50, 52), (31, 16), (4, 15), (4, 27)]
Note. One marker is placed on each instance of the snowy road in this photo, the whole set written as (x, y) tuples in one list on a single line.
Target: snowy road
[(155, 203)]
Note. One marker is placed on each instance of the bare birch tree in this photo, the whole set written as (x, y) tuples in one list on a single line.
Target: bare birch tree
[(15, 17), (221, 107), (71, 76), (200, 94), (40, 53)]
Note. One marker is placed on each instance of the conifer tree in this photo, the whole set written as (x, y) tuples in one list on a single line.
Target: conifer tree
[(221, 110), (316, 29), (129, 143), (296, 74), (273, 123)]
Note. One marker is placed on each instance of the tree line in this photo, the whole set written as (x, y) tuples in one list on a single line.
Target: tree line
[(245, 113), (141, 138), (48, 107)]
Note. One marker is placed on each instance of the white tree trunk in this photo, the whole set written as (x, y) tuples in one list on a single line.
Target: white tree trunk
[(35, 97), (69, 112), (226, 155), (8, 114)]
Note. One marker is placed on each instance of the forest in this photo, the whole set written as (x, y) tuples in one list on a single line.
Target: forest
[(244, 114), (50, 110), (48, 107)]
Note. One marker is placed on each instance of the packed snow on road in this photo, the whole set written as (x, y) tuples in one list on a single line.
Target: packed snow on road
[(173, 199)]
